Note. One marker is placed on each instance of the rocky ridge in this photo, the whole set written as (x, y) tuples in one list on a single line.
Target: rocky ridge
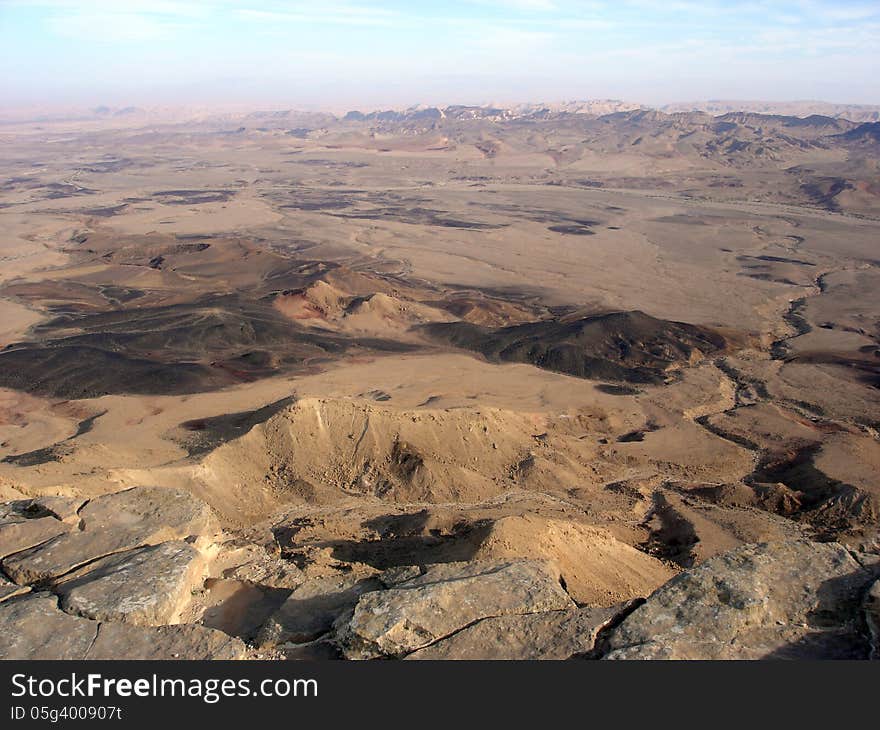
[(147, 573)]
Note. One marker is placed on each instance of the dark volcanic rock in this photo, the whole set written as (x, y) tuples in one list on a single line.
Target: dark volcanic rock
[(175, 349), (623, 346), (88, 372), (864, 134)]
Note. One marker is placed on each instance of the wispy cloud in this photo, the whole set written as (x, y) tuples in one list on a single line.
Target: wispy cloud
[(542, 6), (569, 44), (325, 15)]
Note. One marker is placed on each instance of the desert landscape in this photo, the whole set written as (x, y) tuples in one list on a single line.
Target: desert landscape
[(589, 380)]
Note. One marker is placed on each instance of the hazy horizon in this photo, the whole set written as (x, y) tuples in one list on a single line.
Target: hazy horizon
[(390, 53)]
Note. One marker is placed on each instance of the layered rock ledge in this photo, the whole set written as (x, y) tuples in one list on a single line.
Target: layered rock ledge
[(146, 573)]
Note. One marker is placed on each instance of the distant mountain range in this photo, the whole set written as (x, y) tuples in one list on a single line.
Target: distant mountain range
[(853, 112), (859, 113), (601, 107)]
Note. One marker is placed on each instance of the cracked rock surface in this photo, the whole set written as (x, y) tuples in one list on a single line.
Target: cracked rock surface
[(146, 574), (111, 524), (547, 635), (446, 598), (21, 535), (791, 599), (10, 590), (33, 627), (106, 580), (145, 586)]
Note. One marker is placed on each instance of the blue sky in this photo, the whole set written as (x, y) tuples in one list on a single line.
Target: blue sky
[(369, 53)]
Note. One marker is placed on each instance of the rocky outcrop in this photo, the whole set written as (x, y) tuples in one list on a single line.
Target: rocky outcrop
[(547, 635), (34, 627), (26, 533), (185, 641), (447, 598), (145, 574), (112, 524), (790, 599), (124, 567), (147, 586)]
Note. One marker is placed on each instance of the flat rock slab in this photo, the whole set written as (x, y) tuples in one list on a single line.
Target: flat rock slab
[(548, 635), (34, 627), (147, 586), (787, 599), (447, 598), (111, 524), (18, 536), (311, 610), (183, 641)]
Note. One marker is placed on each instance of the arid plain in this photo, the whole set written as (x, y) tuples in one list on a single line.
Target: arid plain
[(597, 382)]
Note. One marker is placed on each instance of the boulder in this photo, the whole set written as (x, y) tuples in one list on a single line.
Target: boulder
[(312, 609), (547, 635), (447, 598), (787, 599), (253, 563), (147, 586), (111, 524)]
